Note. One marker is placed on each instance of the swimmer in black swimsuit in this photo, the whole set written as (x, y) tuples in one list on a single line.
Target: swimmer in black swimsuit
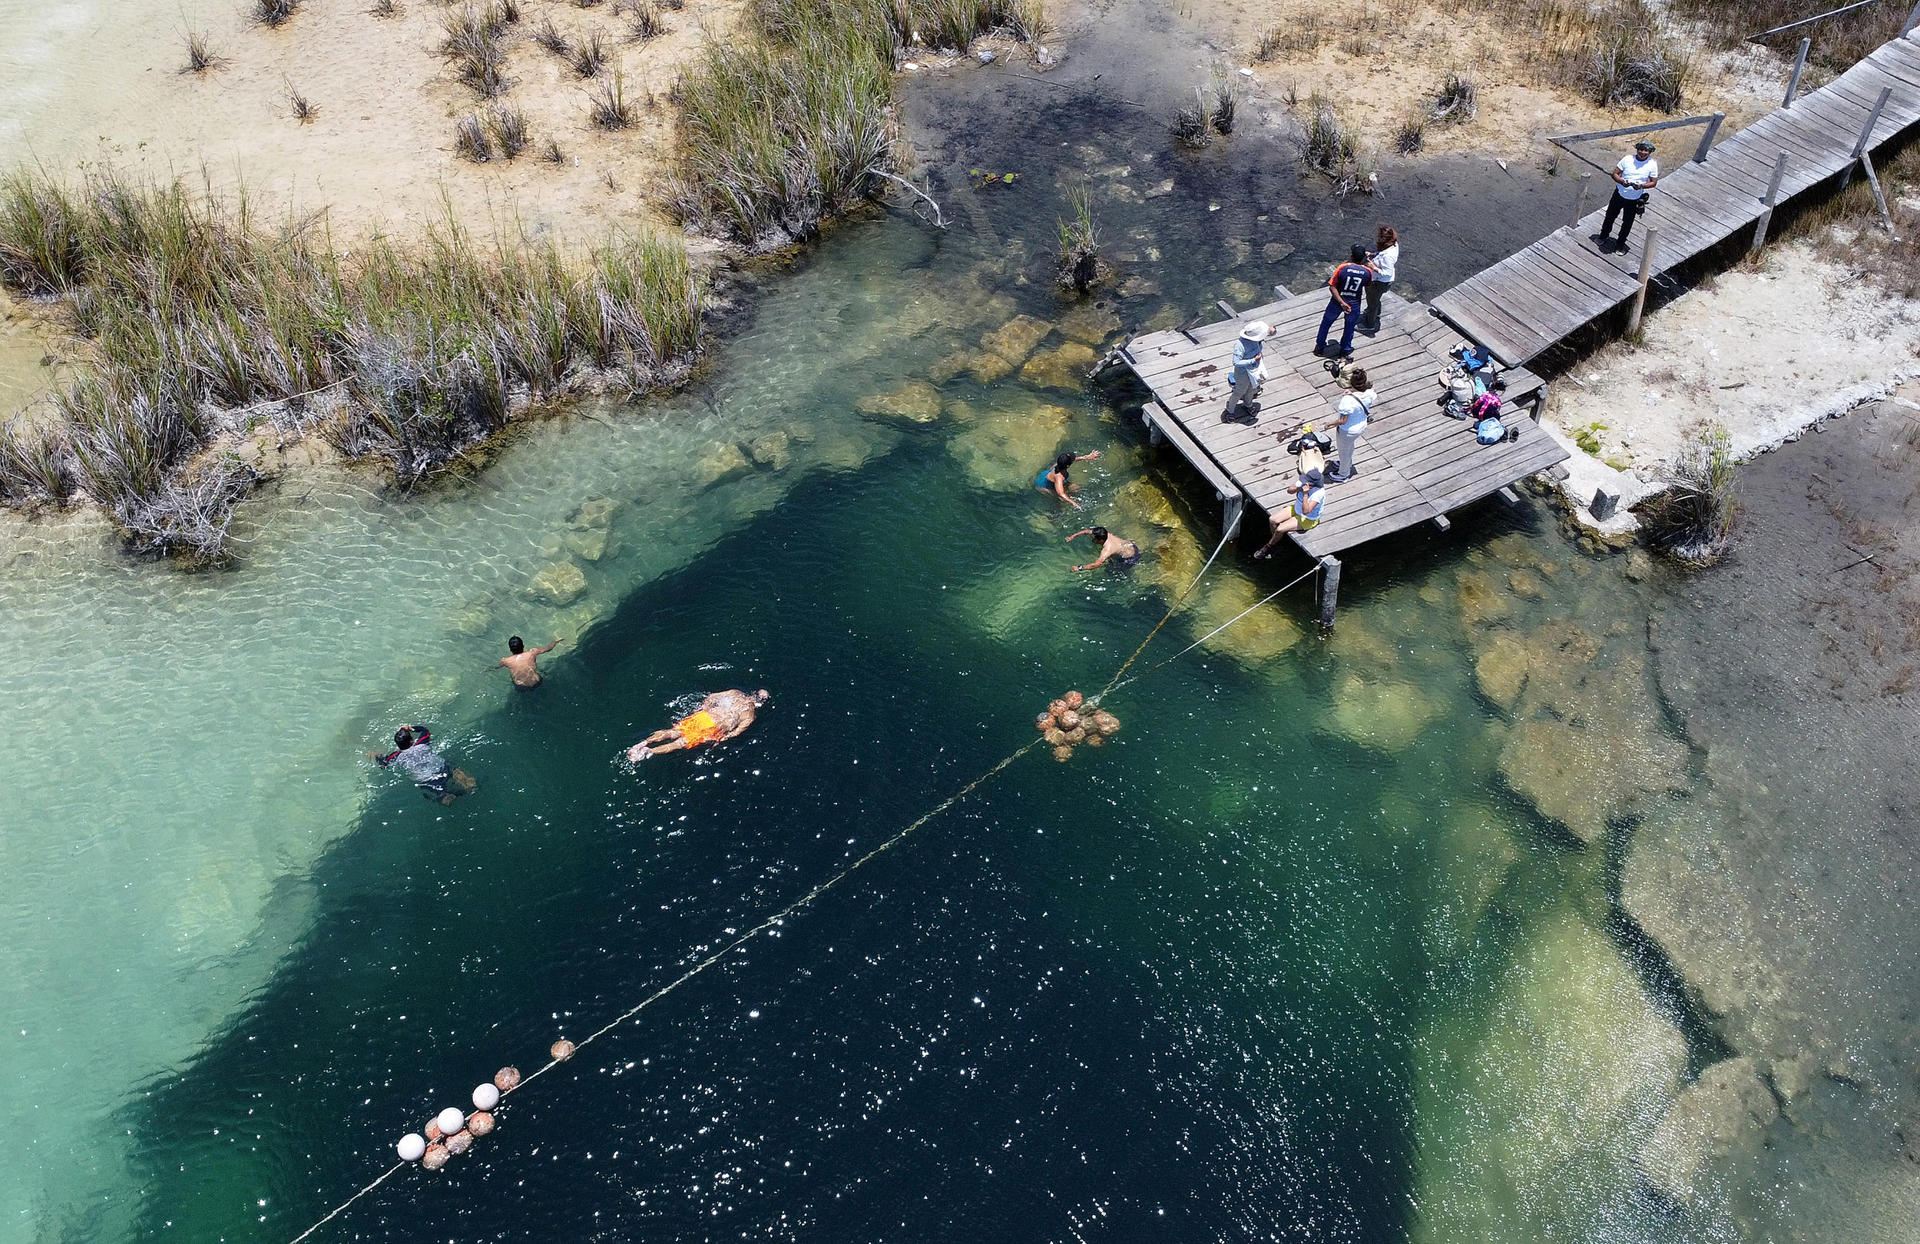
[(1123, 553)]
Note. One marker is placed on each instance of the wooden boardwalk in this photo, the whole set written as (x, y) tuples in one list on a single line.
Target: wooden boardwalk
[(1415, 463), (1536, 298)]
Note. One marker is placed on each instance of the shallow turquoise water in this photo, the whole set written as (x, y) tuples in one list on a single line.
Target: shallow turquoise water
[(1287, 959)]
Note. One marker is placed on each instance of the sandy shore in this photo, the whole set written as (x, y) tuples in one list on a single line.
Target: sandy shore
[(1767, 352), (101, 82)]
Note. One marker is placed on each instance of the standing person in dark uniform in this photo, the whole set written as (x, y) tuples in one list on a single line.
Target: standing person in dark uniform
[(1634, 178), (1348, 285)]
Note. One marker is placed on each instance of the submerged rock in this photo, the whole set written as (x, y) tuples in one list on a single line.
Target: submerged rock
[(1143, 500), (589, 545), (914, 401), (1386, 716), (1726, 1111), (1004, 447), (474, 619), (773, 451), (722, 463), (1500, 671), (1016, 339), (1063, 367), (560, 583), (1089, 325), (1481, 601), (595, 513)]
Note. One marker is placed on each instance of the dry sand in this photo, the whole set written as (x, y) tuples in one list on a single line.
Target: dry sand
[(99, 82), (1767, 352), (1378, 63)]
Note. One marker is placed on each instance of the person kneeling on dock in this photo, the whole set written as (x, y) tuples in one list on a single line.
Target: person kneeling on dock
[(722, 715), (415, 755), (1309, 499), (1124, 553)]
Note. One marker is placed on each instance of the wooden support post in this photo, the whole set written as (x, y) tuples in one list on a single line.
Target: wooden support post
[(1886, 217), (1226, 308), (1766, 214), (1706, 139), (1540, 401), (1799, 68), (1235, 507), (1329, 590), (1866, 135), (1913, 20), (1442, 523), (1646, 274), (1282, 292), (1580, 200)]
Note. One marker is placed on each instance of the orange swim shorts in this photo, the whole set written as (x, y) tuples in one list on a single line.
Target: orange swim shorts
[(699, 728)]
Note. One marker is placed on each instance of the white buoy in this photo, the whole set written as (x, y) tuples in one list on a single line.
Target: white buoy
[(451, 1120), (411, 1146), (485, 1097)]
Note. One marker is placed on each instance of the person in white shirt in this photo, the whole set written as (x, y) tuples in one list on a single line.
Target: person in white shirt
[(1386, 254), (1353, 412), (1633, 178)]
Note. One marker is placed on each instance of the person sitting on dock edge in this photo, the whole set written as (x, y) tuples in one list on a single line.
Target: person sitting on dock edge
[(1124, 553), (1348, 286), (1353, 411), (415, 755), (1248, 372), (1633, 178), (1309, 500), (721, 716), (1054, 478), (522, 664)]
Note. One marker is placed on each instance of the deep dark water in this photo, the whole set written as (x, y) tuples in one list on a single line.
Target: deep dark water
[(1060, 1006)]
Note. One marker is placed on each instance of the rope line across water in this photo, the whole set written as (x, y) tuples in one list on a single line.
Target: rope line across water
[(820, 889)]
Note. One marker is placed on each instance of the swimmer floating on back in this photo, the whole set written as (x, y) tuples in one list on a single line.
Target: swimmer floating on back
[(1054, 478), (415, 755), (1124, 553), (522, 663), (722, 715)]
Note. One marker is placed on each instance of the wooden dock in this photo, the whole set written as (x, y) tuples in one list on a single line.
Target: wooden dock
[(1415, 463), (1528, 302)]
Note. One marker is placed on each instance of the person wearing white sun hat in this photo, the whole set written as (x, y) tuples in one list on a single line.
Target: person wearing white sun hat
[(1248, 371)]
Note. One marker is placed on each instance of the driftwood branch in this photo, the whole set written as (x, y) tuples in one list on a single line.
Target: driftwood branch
[(939, 217)]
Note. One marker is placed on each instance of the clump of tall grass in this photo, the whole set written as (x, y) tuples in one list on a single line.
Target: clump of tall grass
[(508, 127), (385, 8), (1838, 42), (1411, 134), (473, 47), (34, 462), (299, 106), (1079, 267), (1325, 144), (1226, 102), (787, 125), (1632, 62), (200, 54), (644, 21), (470, 140), (1457, 101), (1694, 518), (548, 36), (589, 56), (1190, 127), (188, 313), (607, 105), (273, 12), (1301, 37)]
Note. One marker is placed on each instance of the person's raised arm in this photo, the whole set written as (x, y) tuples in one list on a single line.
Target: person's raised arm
[(1105, 553), (540, 652), (1086, 457), (1084, 531)]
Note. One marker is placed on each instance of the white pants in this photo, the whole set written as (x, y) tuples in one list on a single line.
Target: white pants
[(1343, 444)]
